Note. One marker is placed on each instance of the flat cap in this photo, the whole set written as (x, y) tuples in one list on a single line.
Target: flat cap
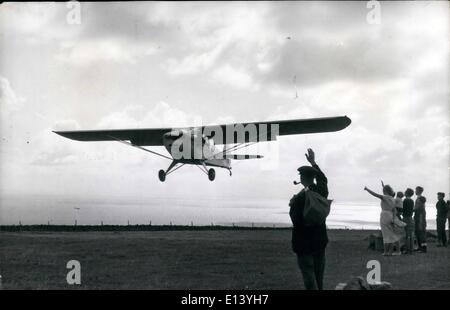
[(308, 170)]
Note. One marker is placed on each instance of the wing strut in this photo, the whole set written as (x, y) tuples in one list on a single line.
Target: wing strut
[(238, 146), (170, 171), (205, 170), (140, 147)]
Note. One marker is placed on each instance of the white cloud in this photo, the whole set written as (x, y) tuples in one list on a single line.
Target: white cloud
[(265, 67), (9, 101), (36, 23), (223, 40), (54, 157), (139, 116), (283, 92), (118, 120), (66, 125), (107, 50), (11, 106), (234, 77), (192, 64), (27, 18)]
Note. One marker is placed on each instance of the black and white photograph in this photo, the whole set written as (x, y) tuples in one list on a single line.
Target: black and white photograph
[(246, 146)]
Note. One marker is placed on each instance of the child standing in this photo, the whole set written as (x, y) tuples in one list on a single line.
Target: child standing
[(448, 217), (400, 230), (441, 218), (420, 220), (408, 210), (399, 204)]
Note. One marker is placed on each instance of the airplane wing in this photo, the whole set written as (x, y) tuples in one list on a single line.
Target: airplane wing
[(268, 131), (237, 133), (141, 137)]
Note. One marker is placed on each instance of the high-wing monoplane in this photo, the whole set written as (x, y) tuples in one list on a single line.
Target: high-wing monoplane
[(198, 145)]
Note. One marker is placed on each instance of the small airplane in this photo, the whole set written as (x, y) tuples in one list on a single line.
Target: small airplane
[(197, 145)]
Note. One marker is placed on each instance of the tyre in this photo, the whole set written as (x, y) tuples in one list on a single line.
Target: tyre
[(162, 175), (211, 174)]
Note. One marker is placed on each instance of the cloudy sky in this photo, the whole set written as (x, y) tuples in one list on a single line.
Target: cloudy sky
[(129, 65)]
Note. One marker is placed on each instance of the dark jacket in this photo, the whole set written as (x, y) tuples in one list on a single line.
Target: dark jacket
[(420, 214), (441, 207), (308, 239), (408, 207)]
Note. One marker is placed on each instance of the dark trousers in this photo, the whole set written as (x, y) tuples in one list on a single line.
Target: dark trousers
[(440, 226), (448, 228), (421, 237), (409, 229), (312, 267), (420, 232)]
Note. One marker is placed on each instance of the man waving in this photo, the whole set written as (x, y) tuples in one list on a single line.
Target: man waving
[(309, 241)]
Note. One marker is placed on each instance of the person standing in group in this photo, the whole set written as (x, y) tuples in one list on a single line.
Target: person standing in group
[(441, 219), (399, 205), (420, 221), (448, 217), (408, 210), (390, 237), (399, 230), (309, 242)]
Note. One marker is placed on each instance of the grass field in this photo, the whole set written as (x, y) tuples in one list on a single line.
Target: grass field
[(252, 259)]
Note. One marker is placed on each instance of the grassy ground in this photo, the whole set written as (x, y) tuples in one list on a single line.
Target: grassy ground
[(201, 260)]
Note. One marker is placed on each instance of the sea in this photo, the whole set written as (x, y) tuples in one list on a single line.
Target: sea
[(60, 210)]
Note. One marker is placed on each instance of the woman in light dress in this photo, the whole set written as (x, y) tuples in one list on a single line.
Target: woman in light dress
[(399, 230), (388, 213)]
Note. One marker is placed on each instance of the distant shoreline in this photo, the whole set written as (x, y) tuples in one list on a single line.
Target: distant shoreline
[(109, 228), (15, 228)]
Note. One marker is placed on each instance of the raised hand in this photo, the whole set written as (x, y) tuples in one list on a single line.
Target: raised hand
[(311, 157)]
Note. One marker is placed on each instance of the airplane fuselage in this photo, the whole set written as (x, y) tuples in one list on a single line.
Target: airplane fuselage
[(192, 147)]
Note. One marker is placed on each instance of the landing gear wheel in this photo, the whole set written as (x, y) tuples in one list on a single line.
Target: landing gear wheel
[(211, 174), (162, 175)]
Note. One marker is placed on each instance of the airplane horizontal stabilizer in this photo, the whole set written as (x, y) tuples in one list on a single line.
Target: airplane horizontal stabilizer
[(242, 157)]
